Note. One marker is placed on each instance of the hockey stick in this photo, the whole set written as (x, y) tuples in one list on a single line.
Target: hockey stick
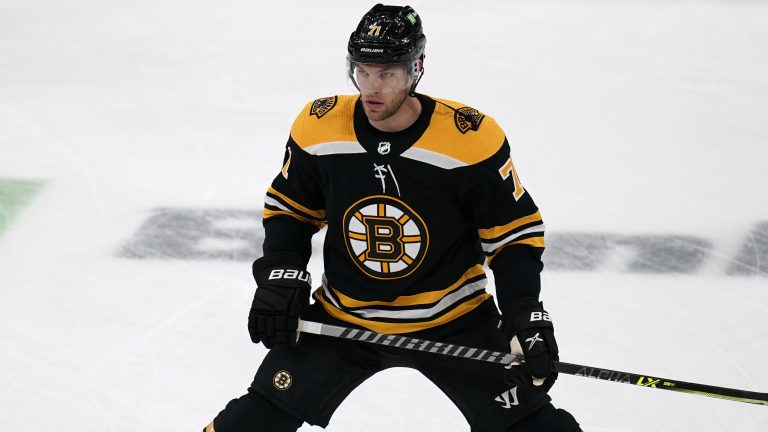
[(442, 348)]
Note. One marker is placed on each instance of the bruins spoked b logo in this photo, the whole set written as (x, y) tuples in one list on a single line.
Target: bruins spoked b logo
[(282, 380), (385, 237)]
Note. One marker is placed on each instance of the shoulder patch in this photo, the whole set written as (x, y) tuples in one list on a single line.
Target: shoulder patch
[(322, 106), (468, 119), (327, 120), (448, 143)]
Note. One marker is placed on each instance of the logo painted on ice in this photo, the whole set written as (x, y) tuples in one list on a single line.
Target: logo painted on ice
[(236, 234), (508, 399)]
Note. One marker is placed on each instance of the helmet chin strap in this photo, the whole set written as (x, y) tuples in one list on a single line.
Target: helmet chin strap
[(420, 71), (412, 93)]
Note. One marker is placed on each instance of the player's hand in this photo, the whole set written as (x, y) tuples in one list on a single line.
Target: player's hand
[(282, 295), (530, 332)]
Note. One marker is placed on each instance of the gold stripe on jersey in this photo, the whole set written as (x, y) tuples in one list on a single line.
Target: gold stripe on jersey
[(318, 214), (405, 327), (411, 312), (445, 145), (334, 125), (514, 232), (498, 231), (537, 242), (536, 231), (412, 300), (533, 241), (272, 213)]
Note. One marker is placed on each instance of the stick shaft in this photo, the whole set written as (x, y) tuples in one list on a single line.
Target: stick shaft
[(406, 342), (442, 348), (663, 383)]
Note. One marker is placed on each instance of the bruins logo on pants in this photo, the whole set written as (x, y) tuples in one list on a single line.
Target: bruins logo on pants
[(385, 237)]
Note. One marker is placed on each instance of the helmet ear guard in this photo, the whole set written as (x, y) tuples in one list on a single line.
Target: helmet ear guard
[(386, 35), (417, 69)]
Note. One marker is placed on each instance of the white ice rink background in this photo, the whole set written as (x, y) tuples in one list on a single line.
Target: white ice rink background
[(627, 119)]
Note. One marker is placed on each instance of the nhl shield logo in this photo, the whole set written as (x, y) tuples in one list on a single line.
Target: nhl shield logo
[(384, 147), (467, 119), (320, 107)]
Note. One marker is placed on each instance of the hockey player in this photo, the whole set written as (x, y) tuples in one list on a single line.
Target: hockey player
[(416, 193)]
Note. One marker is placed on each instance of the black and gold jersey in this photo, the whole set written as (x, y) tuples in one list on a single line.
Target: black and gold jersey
[(411, 216)]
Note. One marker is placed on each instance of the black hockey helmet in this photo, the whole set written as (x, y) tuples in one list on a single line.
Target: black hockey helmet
[(385, 35)]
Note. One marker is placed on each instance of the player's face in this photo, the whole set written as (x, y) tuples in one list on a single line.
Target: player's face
[(383, 88)]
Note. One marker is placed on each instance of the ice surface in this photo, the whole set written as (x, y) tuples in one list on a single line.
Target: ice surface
[(640, 128)]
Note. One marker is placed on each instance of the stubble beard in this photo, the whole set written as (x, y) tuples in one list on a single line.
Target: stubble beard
[(389, 111)]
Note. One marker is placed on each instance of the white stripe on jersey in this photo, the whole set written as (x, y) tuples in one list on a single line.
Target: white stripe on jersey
[(273, 202), (432, 158), (488, 248), (446, 302), (335, 147)]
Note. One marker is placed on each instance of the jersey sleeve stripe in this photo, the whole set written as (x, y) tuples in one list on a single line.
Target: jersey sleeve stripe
[(271, 202), (298, 208), (537, 242), (270, 213), (522, 229), (425, 298), (490, 247), (498, 231), (276, 206), (532, 241)]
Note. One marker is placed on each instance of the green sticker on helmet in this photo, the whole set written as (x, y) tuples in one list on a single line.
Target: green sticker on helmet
[(411, 17)]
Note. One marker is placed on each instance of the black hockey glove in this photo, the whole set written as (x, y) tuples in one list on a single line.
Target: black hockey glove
[(281, 297), (530, 332)]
